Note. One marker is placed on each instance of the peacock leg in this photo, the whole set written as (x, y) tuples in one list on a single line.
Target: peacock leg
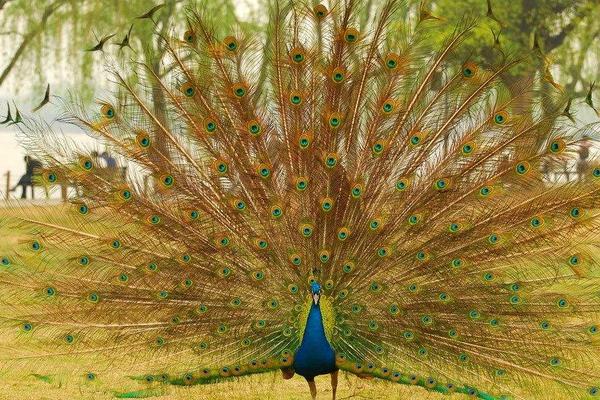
[(313, 389), (334, 382)]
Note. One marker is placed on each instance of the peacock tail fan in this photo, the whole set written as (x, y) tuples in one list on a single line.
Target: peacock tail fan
[(403, 179)]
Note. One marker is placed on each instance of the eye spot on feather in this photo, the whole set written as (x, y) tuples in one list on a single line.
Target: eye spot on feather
[(335, 120), (258, 275), (463, 357), (454, 227), (305, 140), (393, 309), (296, 98), (293, 288), (90, 376), (373, 326), (348, 266), (562, 303), (375, 287), (592, 330), (474, 314), (107, 111), (457, 263), (383, 251), (50, 177), (441, 184), (356, 191), (467, 149), (469, 69), (202, 308), (143, 139), (125, 195), (414, 219), (493, 239), (331, 160), (320, 11), (485, 191), (378, 148), (189, 36), (596, 172), (93, 297), (273, 304), (84, 260), (388, 106), (254, 127), (306, 230), (50, 291), (500, 117), (154, 219), (557, 146), (594, 391), (522, 168), (324, 256), (343, 233), (295, 259), (545, 325), (188, 89), (276, 212), (231, 43), (35, 245), (221, 166), (298, 55), (264, 171), (351, 35), (69, 339), (167, 181), (402, 184), (391, 61), (536, 222), (555, 361), (443, 297), (515, 299), (83, 209), (338, 75), (575, 212), (327, 204)]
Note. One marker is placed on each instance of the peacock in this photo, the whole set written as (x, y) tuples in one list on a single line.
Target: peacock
[(339, 194)]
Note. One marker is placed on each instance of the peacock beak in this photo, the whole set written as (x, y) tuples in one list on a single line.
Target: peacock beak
[(316, 298)]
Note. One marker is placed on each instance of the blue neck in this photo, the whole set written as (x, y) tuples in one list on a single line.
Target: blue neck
[(315, 355)]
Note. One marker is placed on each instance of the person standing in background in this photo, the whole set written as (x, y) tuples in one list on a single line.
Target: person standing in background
[(32, 167)]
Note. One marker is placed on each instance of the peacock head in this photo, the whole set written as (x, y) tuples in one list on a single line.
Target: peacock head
[(315, 290)]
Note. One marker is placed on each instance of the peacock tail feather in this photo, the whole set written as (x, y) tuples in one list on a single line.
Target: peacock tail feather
[(405, 180)]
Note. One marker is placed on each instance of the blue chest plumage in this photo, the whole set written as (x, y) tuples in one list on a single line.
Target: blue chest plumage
[(315, 355)]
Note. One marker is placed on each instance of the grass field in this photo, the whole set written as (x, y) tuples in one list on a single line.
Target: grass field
[(266, 386)]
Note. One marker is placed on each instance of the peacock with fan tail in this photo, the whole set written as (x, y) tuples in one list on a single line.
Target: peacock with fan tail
[(338, 199)]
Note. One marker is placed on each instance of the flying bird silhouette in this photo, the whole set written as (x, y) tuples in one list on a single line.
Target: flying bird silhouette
[(589, 99), (150, 13), (45, 101), (8, 116), (101, 43), (125, 42)]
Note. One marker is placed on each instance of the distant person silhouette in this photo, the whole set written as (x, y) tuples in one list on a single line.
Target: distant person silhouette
[(109, 160), (32, 167)]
